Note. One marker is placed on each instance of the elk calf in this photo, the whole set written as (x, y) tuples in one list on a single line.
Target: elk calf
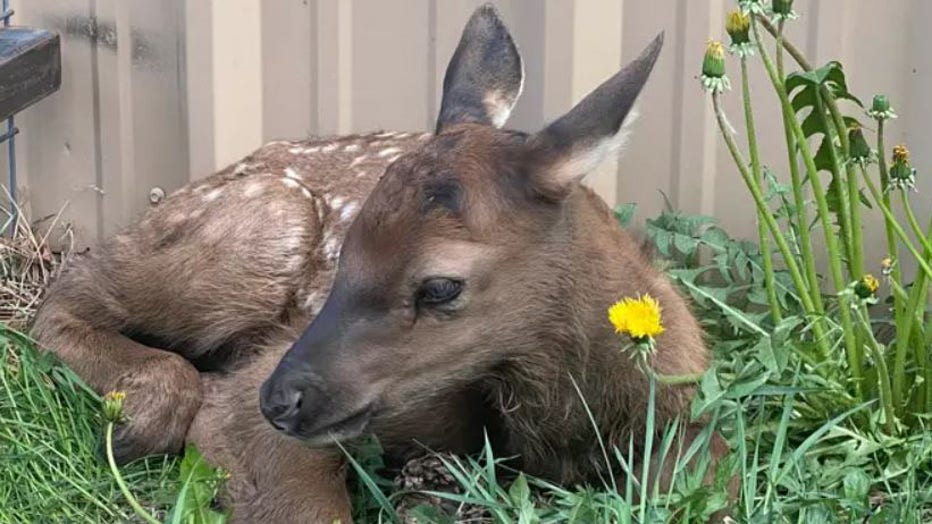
[(420, 287)]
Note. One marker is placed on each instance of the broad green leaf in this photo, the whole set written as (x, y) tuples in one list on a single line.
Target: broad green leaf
[(624, 213)]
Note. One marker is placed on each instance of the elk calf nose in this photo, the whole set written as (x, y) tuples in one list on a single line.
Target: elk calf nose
[(281, 402)]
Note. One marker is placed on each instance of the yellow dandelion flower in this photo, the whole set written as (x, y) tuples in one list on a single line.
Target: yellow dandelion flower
[(113, 406), (900, 153), (639, 318), (886, 266), (866, 287)]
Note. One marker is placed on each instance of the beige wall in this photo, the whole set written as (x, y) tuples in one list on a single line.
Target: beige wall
[(203, 82)]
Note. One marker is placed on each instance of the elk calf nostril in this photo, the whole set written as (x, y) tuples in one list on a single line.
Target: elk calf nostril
[(279, 402)]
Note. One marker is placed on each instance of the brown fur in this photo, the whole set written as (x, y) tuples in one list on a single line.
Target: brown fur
[(231, 287)]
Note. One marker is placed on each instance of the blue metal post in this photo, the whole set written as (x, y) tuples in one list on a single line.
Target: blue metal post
[(10, 136)]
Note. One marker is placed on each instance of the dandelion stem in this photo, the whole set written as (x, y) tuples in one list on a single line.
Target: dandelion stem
[(137, 508), (799, 201), (884, 185), (772, 225), (824, 215), (765, 251), (883, 377), (677, 380), (855, 251), (911, 218), (843, 213), (911, 317), (896, 277), (896, 227)]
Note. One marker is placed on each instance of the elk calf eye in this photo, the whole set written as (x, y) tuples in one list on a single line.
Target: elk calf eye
[(436, 291)]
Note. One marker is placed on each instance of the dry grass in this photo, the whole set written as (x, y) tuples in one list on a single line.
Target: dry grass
[(28, 261)]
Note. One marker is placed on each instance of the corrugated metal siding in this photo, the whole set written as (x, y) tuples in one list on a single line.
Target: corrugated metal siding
[(203, 82)]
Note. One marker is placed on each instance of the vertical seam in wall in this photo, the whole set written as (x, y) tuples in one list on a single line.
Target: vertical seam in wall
[(314, 84), (431, 63), (812, 46), (95, 114), (345, 63), (124, 61), (621, 61), (679, 99), (181, 77)]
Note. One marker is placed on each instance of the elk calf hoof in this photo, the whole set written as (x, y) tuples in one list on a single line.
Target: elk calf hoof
[(162, 398)]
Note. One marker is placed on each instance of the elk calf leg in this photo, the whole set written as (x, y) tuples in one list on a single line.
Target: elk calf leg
[(273, 477), (162, 389)]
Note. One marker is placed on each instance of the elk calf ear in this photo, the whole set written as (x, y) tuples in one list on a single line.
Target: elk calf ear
[(485, 75), (576, 143)]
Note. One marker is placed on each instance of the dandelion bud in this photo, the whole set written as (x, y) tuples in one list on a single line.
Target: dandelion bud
[(880, 108), (713, 68), (783, 10), (866, 287), (782, 7), (902, 174), (738, 26), (713, 65), (113, 406), (859, 150)]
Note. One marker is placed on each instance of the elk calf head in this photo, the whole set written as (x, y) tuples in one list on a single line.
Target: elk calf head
[(458, 260)]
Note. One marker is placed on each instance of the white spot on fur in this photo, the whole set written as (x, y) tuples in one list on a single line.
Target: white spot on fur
[(583, 160), (392, 159), (320, 212), (402, 135), (311, 150), (389, 151), (385, 134), (328, 148), (291, 173), (352, 147), (254, 188), (360, 174), (425, 136), (358, 160), (293, 240), (213, 195), (332, 247), (349, 211), (305, 192), (498, 106), (240, 169), (314, 302), (296, 150), (290, 182), (337, 202)]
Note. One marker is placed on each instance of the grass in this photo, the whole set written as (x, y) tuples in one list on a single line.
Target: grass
[(799, 441), (796, 469), (50, 436), (822, 387)]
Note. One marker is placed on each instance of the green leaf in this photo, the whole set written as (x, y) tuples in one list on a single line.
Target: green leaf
[(823, 156), (518, 492), (624, 213), (764, 349), (711, 395), (856, 485), (745, 388), (200, 484)]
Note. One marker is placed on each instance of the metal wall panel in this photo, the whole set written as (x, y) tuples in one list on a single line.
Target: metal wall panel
[(118, 126), (204, 82)]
